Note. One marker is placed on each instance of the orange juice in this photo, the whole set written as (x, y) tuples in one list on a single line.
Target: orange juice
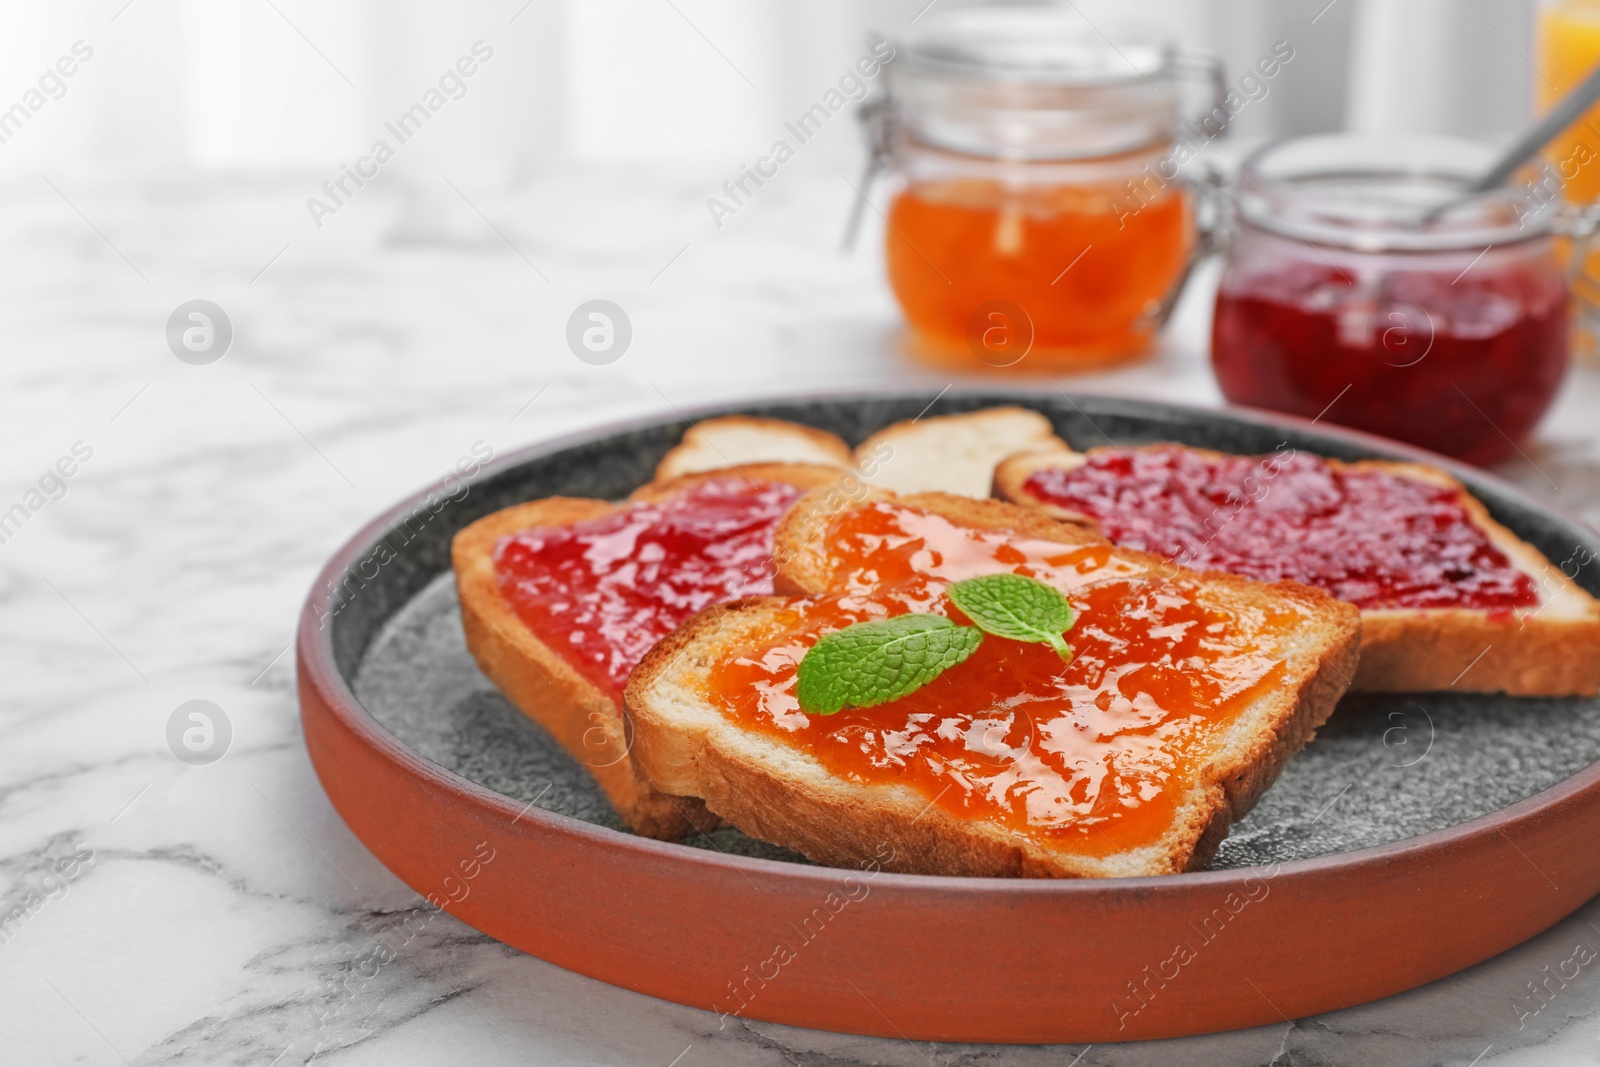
[(1568, 43), (1086, 265), (1569, 47)]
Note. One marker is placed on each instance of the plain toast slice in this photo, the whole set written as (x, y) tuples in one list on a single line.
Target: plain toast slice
[(738, 440), (580, 714), (783, 790), (952, 453), (1551, 648)]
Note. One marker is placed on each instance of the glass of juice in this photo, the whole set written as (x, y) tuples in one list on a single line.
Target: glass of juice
[(1568, 35), (1043, 216), (1363, 287), (1567, 45)]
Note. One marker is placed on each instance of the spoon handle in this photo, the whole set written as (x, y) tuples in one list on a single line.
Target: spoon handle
[(1564, 114)]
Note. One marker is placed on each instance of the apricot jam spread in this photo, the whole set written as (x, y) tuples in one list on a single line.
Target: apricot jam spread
[(1097, 750), (952, 246), (603, 592), (1367, 536)]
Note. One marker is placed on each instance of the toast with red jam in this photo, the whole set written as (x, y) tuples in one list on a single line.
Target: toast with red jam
[(1449, 598), (561, 597)]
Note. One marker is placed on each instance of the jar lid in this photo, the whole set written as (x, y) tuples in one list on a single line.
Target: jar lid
[(1036, 83), (1386, 193)]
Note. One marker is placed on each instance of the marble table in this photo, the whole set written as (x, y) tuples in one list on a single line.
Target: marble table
[(166, 911)]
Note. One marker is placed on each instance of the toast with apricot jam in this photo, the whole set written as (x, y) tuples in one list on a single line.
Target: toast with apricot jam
[(1449, 598), (560, 598), (1128, 753)]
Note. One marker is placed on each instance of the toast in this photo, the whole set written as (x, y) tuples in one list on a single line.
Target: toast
[(700, 729), (737, 440), (1549, 647), (952, 453), (579, 706)]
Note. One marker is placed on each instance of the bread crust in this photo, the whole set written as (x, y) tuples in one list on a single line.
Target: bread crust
[(1552, 649), (785, 795), (773, 441), (952, 453), (804, 568), (801, 475), (583, 719), (1012, 473)]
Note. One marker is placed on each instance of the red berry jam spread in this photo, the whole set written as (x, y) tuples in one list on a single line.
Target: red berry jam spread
[(1097, 751), (603, 592), (1369, 537), (1462, 362)]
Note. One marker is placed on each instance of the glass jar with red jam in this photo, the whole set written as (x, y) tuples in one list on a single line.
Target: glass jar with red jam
[(1363, 286)]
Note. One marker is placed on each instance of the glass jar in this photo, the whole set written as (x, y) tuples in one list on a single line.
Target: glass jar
[(1041, 207), (1362, 287)]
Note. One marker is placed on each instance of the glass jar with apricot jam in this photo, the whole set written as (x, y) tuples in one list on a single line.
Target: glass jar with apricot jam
[(1043, 218)]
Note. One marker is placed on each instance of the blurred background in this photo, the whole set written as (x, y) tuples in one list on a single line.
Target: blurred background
[(194, 149), (264, 87)]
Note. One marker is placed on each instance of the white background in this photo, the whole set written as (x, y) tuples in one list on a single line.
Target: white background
[(252, 87)]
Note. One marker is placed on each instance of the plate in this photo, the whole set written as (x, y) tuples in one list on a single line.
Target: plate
[(1417, 835)]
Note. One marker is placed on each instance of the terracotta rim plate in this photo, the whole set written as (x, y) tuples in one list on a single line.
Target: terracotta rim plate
[(929, 958)]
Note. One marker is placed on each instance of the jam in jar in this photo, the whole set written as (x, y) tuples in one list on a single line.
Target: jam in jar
[(1043, 216), (1364, 287)]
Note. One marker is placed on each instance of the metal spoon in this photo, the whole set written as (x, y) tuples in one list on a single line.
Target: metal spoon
[(1564, 114), (1571, 108)]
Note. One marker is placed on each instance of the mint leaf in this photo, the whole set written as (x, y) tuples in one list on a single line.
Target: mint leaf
[(872, 663), (1023, 609)]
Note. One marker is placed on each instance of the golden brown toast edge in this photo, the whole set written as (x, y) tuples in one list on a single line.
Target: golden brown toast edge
[(697, 439), (801, 475), (879, 452)]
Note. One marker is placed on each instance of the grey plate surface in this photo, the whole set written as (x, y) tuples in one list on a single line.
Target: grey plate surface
[(1382, 769)]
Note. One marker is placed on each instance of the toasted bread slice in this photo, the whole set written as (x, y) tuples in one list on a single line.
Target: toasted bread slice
[(777, 785), (581, 715), (738, 440), (1548, 649), (951, 453)]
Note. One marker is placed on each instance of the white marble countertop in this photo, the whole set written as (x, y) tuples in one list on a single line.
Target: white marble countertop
[(206, 914)]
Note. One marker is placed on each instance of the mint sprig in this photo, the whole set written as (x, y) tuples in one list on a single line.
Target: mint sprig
[(1022, 609), (872, 663)]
